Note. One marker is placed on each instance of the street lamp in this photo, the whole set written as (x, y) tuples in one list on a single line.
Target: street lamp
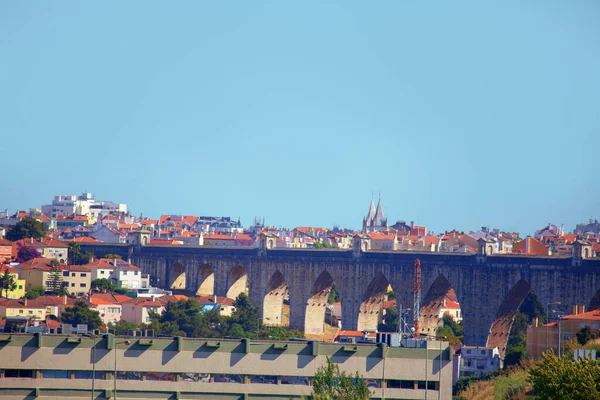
[(559, 337), (548, 319), (127, 342)]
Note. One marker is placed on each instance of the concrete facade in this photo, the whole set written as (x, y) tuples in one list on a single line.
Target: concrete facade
[(489, 289), (58, 367)]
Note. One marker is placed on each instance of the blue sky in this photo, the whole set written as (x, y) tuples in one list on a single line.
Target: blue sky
[(461, 114)]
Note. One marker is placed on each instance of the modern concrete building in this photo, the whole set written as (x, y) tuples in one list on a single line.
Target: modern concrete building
[(58, 367), (477, 361)]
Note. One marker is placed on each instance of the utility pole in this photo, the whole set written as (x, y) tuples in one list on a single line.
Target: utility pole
[(417, 296)]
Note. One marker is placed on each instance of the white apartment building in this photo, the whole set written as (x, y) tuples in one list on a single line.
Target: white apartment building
[(475, 360), (81, 205)]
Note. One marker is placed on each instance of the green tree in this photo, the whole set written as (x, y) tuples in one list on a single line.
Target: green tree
[(390, 320), (584, 335), (77, 256), (207, 243), (330, 383), (113, 256), (562, 378), (8, 282), (245, 315), (322, 245), (122, 327), (187, 318), (80, 313), (26, 228), (35, 292), (334, 295), (102, 285), (516, 345), (56, 279)]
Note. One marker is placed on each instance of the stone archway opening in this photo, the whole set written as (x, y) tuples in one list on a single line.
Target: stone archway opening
[(439, 302), (206, 281), (237, 282), (371, 313), (177, 279), (323, 315), (516, 312), (276, 302)]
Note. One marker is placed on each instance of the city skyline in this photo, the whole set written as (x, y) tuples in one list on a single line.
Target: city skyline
[(463, 115)]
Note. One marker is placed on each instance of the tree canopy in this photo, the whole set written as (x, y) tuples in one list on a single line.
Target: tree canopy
[(35, 292), (7, 283), (26, 228), (26, 253), (565, 379), (330, 383), (77, 256), (80, 313), (112, 256)]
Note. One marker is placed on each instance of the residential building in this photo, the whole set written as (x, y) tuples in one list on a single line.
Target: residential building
[(108, 305), (19, 290), (82, 205), (531, 246), (477, 361), (139, 309), (223, 304), (593, 227), (48, 248), (36, 273), (101, 268), (234, 240), (375, 219), (77, 280), (383, 240), (8, 250), (542, 338), (108, 234), (126, 275), (39, 308)]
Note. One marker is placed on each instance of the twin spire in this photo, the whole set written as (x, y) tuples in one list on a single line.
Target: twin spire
[(375, 219)]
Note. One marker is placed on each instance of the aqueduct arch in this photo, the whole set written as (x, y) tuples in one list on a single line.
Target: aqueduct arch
[(429, 316), (276, 292), (237, 282), (206, 281), (371, 306), (177, 279), (314, 318)]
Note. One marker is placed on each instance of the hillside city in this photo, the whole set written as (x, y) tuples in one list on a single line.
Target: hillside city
[(50, 285)]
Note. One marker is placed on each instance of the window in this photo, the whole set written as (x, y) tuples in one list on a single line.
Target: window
[(18, 373), (228, 378), (83, 274), (170, 377), (102, 272), (56, 374), (82, 285), (20, 311), (87, 375), (129, 376), (20, 287), (136, 272), (65, 273), (72, 284)]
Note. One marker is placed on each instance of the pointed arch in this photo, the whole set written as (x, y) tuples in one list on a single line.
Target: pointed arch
[(237, 282), (206, 281), (371, 306), (502, 324), (275, 294), (177, 278), (440, 299), (316, 306)]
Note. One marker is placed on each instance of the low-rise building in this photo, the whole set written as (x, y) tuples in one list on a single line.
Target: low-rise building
[(36, 273), (543, 338), (38, 308), (77, 280), (19, 290), (221, 303), (108, 305), (8, 250), (477, 361), (48, 248), (139, 309)]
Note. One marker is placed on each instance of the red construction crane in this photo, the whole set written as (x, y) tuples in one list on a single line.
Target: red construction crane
[(417, 296)]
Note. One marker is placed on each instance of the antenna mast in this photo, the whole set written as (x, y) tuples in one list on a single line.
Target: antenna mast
[(417, 296)]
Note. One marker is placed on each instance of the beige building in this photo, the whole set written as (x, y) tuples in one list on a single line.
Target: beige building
[(541, 339), (36, 272), (39, 308), (58, 367), (77, 280)]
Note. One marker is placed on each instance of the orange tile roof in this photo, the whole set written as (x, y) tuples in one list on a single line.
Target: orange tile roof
[(4, 267), (593, 315), (37, 263), (165, 241), (149, 222), (86, 239)]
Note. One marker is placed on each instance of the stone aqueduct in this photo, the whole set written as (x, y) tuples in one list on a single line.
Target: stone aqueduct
[(490, 288)]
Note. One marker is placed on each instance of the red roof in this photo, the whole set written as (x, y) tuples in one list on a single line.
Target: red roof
[(86, 239), (165, 242), (38, 263), (593, 315), (4, 267)]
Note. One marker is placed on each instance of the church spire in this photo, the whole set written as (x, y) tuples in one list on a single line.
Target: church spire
[(379, 216)]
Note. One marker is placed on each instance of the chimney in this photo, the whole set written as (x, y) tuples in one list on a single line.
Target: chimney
[(25, 301), (31, 240), (215, 298), (581, 309), (115, 261), (535, 322), (64, 299)]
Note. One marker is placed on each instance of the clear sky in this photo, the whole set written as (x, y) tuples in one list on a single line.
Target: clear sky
[(461, 114)]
